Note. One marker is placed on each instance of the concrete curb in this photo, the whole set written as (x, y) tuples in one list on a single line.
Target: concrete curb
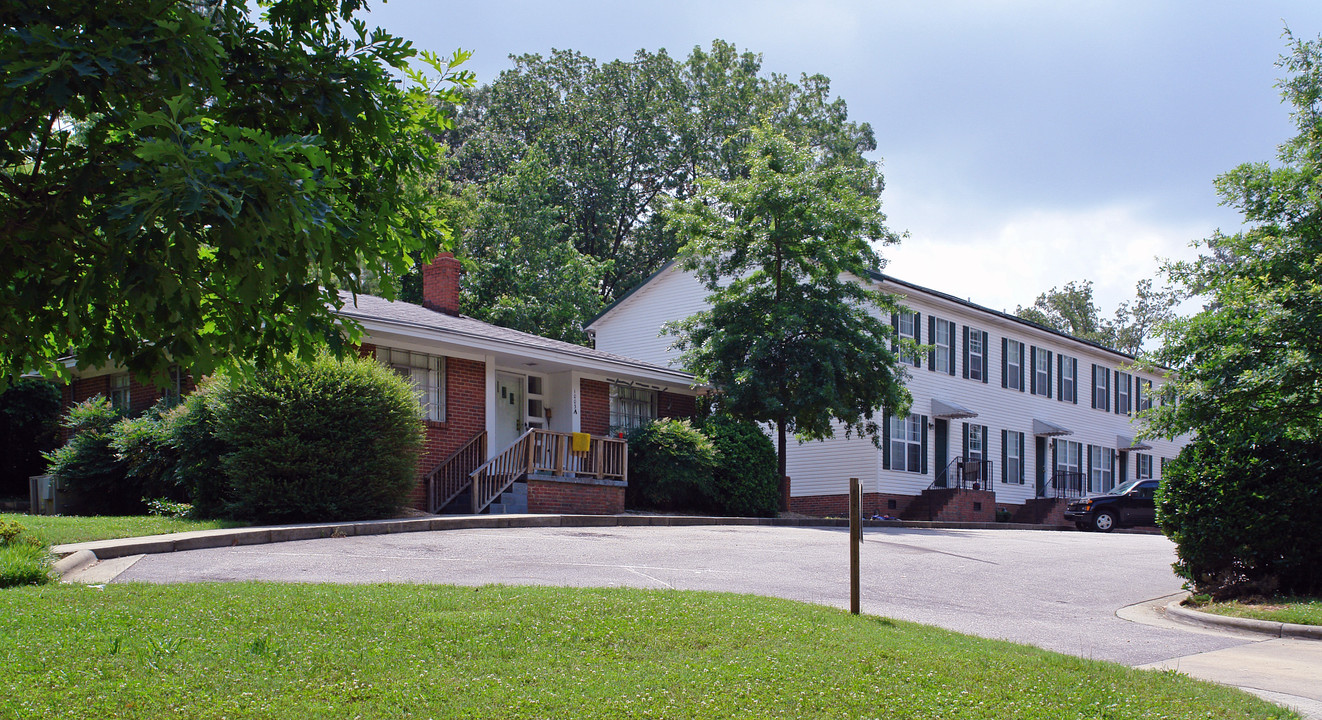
[(73, 562), (201, 539), (1266, 627)]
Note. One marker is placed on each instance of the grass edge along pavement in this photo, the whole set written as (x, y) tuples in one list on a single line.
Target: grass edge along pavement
[(269, 650), (69, 529), (1292, 610)]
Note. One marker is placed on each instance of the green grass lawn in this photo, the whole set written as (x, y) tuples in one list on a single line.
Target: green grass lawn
[(60, 529), (399, 651), (1300, 611)]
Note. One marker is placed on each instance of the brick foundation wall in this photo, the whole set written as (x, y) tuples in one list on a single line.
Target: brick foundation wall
[(838, 505), (673, 405), (577, 498), (594, 399), (465, 416)]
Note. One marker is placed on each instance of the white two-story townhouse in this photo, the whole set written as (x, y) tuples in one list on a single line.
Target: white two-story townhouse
[(1006, 414)]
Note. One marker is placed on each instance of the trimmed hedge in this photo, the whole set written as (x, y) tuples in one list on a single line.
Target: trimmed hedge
[(1243, 515), (744, 479), (320, 441), (670, 466), (197, 470)]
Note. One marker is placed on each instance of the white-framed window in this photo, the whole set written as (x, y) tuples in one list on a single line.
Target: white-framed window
[(120, 397), (943, 356), (425, 372), (174, 391), (1068, 456), (1101, 474), (906, 327), (1142, 466), (1101, 382), (1069, 378), (1012, 465), (536, 402), (976, 362), (977, 446), (1014, 365), (1041, 361), (1143, 395), (632, 407), (1123, 382), (907, 443)]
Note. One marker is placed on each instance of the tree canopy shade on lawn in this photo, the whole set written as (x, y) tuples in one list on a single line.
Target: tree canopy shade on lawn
[(1242, 500), (181, 184), (563, 163), (790, 337)]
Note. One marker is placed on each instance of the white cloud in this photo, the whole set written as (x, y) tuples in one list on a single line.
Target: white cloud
[(1008, 262)]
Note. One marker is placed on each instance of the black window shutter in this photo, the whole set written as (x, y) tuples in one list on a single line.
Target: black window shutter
[(986, 443), (931, 336), (1004, 452), (965, 454), (895, 326), (1021, 366), (951, 328), (985, 370), (1049, 374), (1090, 478), (1138, 394), (1074, 369), (966, 351), (918, 328), (1093, 387), (1060, 377), (924, 463), (1005, 367), (1116, 394), (1032, 369), (886, 440)]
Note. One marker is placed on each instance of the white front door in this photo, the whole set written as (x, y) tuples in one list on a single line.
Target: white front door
[(509, 410)]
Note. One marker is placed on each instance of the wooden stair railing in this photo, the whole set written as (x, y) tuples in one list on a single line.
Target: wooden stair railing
[(550, 453), (454, 475)]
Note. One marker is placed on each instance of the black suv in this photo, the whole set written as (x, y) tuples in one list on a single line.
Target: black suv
[(1128, 504)]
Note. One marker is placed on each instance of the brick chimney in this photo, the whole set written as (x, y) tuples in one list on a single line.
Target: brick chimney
[(440, 284)]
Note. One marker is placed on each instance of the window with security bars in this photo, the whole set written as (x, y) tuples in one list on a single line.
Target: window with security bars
[(425, 372), (631, 407)]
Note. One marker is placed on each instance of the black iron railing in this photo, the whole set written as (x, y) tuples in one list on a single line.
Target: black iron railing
[(964, 474), (1066, 484)]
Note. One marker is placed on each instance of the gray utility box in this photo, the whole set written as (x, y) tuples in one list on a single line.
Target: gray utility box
[(48, 498)]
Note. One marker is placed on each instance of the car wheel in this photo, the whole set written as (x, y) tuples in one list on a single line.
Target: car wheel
[(1103, 521), (1081, 526)]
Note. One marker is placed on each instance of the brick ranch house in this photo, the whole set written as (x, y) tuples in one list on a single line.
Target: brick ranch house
[(514, 421)]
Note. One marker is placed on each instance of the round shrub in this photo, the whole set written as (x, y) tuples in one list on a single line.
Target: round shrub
[(670, 466), (744, 478), (88, 466), (1243, 514), (326, 440), (192, 429), (144, 445)]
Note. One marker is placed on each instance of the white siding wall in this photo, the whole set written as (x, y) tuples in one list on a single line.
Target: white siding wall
[(823, 468)]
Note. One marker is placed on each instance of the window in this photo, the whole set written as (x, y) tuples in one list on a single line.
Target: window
[(1143, 395), (1101, 468), (119, 393), (941, 358), (975, 354), (906, 443), (1068, 369), (975, 442), (1101, 383), (1012, 457), (632, 407), (426, 372), (174, 391), (1067, 456), (1143, 467), (1040, 360), (1012, 364), (906, 328), (1123, 384)]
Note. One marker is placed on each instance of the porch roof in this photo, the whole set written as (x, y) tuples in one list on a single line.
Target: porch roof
[(947, 410), (1128, 443), (401, 318), (1043, 427)]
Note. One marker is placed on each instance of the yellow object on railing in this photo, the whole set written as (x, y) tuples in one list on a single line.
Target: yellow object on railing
[(582, 442)]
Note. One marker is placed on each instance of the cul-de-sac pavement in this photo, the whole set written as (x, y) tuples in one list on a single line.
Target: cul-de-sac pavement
[(1083, 594)]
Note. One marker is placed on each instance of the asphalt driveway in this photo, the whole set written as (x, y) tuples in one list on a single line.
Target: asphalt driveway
[(1056, 590)]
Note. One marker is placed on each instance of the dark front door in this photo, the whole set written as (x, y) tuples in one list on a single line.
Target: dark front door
[(942, 450), (1041, 455)]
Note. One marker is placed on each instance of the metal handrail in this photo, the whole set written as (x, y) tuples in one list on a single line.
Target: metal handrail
[(966, 474), (1068, 484), (547, 452)]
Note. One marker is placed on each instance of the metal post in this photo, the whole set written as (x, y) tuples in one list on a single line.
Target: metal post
[(855, 540)]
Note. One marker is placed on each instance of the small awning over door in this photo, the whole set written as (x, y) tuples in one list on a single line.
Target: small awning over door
[(1128, 443), (950, 411), (1050, 429)]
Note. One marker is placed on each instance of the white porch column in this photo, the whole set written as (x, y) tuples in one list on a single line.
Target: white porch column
[(490, 404)]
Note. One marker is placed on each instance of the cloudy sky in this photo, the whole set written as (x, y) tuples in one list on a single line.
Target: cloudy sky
[(1025, 143)]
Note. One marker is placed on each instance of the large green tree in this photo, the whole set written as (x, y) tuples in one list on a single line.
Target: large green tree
[(607, 144), (794, 335), (1241, 500), (183, 183), (1071, 309)]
